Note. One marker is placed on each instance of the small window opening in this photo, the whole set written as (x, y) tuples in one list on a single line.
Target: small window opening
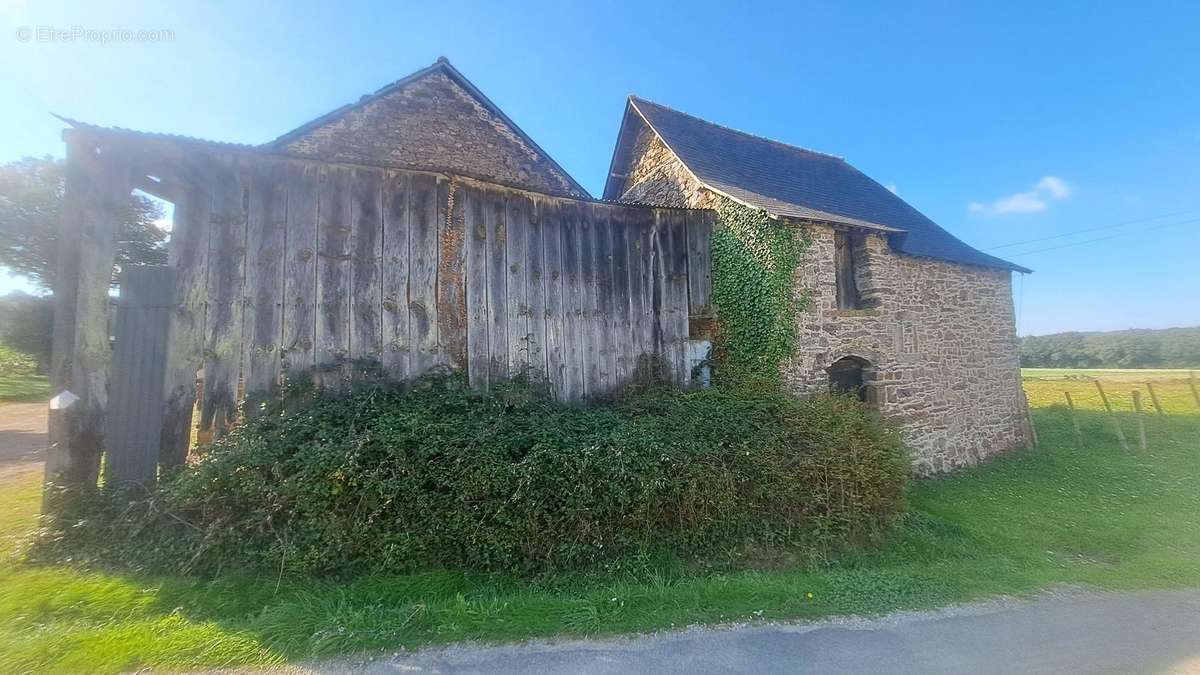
[(847, 376), (847, 288)]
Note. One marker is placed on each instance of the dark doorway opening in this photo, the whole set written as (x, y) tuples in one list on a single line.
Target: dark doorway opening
[(847, 376)]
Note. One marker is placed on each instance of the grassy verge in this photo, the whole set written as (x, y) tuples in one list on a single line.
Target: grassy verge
[(23, 387), (1061, 514)]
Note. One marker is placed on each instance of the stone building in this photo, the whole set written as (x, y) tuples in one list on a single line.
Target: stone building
[(916, 321), (434, 120), (898, 309)]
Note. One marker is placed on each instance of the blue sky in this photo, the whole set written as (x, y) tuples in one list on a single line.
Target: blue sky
[(1004, 124)]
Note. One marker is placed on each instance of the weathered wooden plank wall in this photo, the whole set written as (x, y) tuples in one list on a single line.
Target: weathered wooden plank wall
[(318, 264), (283, 265)]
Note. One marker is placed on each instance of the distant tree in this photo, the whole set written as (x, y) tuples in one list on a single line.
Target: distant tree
[(26, 324), (1166, 348), (31, 202)]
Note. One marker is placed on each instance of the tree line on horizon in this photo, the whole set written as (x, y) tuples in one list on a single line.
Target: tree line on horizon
[(1139, 348)]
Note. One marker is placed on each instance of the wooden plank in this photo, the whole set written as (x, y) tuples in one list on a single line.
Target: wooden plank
[(517, 227), (474, 203), (60, 466), (300, 269), (107, 183), (621, 332), (422, 278), (699, 260), (552, 275), (605, 301), (535, 292), (678, 287), (574, 356), (640, 348), (397, 343), (422, 273), (497, 291), (591, 341), (672, 254), (266, 232), (452, 296), (185, 336), (227, 254), (366, 290), (335, 241)]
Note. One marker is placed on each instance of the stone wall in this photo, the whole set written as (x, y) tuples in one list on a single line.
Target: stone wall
[(941, 341), (658, 178), (940, 337), (435, 125)]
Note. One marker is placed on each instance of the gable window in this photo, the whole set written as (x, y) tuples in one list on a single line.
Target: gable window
[(844, 263)]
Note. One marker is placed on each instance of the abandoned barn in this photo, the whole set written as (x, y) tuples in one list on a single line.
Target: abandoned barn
[(419, 227)]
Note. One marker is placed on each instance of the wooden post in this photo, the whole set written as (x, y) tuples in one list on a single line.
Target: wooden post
[(1192, 384), (1137, 407), (1116, 422), (96, 192), (1103, 396), (1074, 420), (1154, 398)]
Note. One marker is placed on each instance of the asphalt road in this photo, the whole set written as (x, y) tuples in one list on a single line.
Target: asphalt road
[(1148, 632)]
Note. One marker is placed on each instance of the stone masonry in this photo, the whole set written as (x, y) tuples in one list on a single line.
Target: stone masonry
[(436, 125), (939, 337)]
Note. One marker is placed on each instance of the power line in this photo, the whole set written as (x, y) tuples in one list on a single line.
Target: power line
[(1111, 236), (1092, 229)]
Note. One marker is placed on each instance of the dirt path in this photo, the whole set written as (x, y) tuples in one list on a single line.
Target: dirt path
[(22, 439)]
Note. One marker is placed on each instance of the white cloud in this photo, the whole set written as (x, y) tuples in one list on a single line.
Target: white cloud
[(1036, 199), (892, 188)]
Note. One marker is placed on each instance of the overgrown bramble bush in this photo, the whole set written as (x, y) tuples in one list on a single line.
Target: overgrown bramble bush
[(392, 478)]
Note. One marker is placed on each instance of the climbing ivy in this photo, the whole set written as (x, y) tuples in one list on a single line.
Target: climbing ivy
[(754, 259)]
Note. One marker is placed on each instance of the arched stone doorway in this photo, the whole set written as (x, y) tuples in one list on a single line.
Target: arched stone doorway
[(849, 375)]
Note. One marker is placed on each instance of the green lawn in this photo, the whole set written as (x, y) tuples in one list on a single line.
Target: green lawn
[(1061, 514), (23, 387)]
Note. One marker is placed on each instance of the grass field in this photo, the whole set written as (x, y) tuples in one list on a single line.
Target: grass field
[(1046, 386), (23, 387), (1062, 514)]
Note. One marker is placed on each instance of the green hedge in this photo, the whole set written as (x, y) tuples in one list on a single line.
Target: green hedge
[(436, 475)]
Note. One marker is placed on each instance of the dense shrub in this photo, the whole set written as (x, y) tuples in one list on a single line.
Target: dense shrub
[(387, 477)]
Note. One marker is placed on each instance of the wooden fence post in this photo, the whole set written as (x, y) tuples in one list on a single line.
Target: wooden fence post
[(1074, 420), (1154, 398), (1137, 407), (98, 187), (1116, 422), (1103, 396)]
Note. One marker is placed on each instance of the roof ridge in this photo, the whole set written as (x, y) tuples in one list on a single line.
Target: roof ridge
[(789, 146)]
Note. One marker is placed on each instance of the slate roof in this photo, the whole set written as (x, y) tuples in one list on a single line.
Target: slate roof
[(788, 181)]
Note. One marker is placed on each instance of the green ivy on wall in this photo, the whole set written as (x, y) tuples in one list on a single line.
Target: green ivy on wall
[(754, 260)]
